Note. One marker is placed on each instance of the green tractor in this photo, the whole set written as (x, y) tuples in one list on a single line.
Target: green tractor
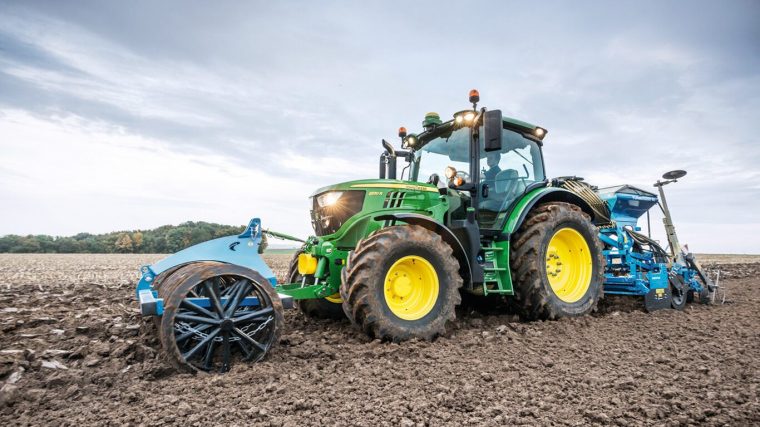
[(463, 207), (470, 211)]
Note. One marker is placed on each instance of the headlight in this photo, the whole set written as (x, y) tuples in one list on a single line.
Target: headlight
[(329, 198)]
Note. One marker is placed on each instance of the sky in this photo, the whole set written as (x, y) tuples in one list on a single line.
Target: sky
[(126, 115)]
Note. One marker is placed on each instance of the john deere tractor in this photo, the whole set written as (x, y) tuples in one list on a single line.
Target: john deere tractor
[(464, 206)]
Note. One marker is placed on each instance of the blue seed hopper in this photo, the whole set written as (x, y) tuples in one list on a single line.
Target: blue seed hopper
[(636, 264)]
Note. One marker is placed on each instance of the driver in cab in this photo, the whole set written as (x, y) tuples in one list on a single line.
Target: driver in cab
[(489, 176)]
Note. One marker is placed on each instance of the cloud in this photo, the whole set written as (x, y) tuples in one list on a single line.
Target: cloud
[(104, 180), (150, 112)]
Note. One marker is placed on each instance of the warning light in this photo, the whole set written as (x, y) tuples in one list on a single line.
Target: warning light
[(474, 96)]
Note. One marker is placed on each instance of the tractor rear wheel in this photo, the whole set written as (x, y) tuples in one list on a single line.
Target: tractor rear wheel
[(322, 308), (207, 322), (400, 283), (557, 263)]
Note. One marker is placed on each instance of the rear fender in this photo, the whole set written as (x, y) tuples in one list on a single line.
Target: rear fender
[(542, 195), (445, 233)]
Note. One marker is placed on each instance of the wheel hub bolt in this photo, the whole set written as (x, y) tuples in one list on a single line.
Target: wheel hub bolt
[(227, 325)]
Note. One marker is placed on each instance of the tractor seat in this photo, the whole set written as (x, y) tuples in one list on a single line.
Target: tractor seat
[(506, 186)]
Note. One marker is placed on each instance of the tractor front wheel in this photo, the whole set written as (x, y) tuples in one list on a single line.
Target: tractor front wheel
[(557, 263), (400, 283)]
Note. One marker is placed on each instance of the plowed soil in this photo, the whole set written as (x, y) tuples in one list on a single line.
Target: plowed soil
[(74, 351)]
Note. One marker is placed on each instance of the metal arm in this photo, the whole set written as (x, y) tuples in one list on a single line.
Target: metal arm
[(283, 236), (667, 220)]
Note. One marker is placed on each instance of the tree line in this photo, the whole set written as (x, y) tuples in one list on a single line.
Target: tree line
[(161, 240)]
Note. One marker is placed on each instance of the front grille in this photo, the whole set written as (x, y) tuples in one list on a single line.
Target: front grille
[(393, 199), (328, 219)]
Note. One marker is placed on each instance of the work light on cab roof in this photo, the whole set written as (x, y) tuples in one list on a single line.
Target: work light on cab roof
[(465, 116), (410, 141), (539, 132), (407, 140)]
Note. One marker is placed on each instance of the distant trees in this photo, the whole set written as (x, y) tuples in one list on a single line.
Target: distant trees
[(164, 239), (124, 244)]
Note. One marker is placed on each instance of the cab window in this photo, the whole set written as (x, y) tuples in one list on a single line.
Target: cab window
[(505, 174)]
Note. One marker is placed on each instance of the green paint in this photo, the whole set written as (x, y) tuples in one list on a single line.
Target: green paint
[(499, 274), (307, 292), (382, 197), (514, 216)]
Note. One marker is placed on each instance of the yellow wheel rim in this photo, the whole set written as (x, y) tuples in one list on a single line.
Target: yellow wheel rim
[(335, 298), (568, 265), (411, 287)]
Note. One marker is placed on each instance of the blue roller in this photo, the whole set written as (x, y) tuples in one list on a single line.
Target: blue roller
[(241, 250)]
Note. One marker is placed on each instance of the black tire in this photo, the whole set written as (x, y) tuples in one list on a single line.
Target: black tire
[(183, 340), (534, 295), (363, 283), (320, 308), (678, 292)]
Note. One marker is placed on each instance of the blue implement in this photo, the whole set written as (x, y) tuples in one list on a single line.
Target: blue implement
[(635, 264), (242, 250)]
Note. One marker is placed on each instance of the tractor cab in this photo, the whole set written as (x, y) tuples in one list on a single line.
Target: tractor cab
[(453, 155)]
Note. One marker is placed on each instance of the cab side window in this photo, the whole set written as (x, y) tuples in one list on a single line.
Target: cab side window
[(505, 174)]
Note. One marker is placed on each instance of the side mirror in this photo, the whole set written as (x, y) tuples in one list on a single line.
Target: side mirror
[(492, 127)]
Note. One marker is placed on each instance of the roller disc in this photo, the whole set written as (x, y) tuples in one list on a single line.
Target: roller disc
[(677, 292), (156, 285), (216, 330)]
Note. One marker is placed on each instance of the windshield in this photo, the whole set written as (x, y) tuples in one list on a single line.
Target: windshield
[(451, 149), (503, 176)]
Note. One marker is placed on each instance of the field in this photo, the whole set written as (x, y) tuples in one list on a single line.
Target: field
[(74, 351)]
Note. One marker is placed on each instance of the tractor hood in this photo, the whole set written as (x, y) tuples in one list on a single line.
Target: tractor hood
[(377, 184), (353, 205)]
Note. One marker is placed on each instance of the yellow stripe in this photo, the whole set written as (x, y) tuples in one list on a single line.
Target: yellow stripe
[(404, 186)]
